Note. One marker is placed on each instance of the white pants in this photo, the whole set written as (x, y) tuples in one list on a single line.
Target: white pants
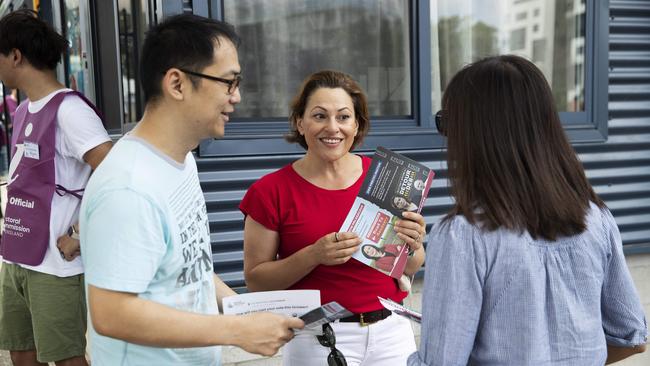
[(385, 343)]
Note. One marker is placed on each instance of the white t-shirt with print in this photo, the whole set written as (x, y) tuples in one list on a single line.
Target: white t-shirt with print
[(145, 230), (78, 130)]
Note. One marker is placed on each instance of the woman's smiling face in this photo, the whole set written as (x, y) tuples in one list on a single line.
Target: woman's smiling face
[(329, 124)]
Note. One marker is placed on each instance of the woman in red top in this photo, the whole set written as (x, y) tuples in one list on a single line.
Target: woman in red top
[(292, 218)]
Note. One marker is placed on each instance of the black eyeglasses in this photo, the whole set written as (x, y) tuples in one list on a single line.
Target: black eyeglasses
[(441, 125), (335, 358), (233, 84)]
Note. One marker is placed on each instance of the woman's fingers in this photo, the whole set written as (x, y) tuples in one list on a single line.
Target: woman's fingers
[(411, 241), (347, 252), (347, 247), (413, 216), (346, 241), (412, 230), (345, 235), (338, 247)]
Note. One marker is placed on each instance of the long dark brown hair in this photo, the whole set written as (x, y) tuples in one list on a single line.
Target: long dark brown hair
[(510, 162)]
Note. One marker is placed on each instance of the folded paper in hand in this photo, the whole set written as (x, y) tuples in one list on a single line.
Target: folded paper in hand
[(393, 184), (289, 302), (400, 309), (304, 304)]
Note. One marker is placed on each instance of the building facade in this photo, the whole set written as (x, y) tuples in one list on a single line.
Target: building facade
[(595, 54)]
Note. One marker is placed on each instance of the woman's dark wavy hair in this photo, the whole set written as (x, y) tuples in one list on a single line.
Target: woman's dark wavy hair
[(37, 41), (510, 162), (329, 79)]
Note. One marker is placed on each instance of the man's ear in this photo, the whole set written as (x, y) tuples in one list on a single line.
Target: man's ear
[(16, 57), (174, 84)]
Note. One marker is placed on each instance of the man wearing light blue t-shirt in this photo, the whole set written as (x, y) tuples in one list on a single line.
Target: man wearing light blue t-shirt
[(152, 292)]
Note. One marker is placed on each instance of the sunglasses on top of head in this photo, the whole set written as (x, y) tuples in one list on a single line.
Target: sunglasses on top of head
[(441, 123)]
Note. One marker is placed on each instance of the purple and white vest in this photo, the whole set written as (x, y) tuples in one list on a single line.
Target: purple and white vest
[(31, 183)]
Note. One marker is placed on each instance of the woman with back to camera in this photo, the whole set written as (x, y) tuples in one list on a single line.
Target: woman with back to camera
[(291, 238), (527, 268)]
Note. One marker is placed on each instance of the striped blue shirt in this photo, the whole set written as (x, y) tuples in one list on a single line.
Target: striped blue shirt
[(503, 298)]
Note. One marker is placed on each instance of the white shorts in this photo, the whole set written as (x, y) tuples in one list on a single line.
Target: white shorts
[(388, 342)]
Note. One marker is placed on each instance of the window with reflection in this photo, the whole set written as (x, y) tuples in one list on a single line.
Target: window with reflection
[(78, 60), (283, 41), (549, 33), (133, 22), (73, 59)]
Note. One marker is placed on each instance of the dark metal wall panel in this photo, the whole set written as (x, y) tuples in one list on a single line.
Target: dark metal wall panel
[(619, 169)]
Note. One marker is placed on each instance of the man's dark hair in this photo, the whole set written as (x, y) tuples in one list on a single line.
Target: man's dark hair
[(183, 41), (510, 162), (36, 40)]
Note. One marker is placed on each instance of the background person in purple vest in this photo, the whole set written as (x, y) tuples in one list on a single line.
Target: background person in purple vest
[(8, 106), (58, 140), (152, 291), (10, 103)]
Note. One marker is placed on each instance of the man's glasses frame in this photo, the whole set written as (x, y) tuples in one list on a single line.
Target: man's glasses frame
[(233, 84), (328, 339)]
